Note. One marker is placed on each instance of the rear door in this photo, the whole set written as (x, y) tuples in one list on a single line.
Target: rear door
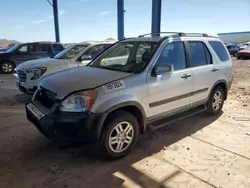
[(203, 71), (223, 61), (38, 51)]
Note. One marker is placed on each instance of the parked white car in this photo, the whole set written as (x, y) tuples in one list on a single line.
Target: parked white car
[(30, 72)]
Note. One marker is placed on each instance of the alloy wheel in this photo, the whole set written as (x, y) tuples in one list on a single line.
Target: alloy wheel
[(217, 100), (121, 137), (7, 67)]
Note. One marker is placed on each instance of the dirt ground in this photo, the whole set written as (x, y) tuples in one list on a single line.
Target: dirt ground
[(199, 152)]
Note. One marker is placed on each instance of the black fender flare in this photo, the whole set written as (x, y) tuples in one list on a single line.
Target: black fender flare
[(119, 106), (217, 83)]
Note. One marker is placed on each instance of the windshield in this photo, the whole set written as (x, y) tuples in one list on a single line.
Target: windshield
[(13, 48), (127, 57), (70, 52)]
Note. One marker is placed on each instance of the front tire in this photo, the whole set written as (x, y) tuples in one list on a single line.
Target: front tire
[(120, 134), (216, 101), (7, 67)]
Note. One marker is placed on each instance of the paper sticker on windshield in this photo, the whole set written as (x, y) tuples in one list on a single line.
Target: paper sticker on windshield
[(114, 86)]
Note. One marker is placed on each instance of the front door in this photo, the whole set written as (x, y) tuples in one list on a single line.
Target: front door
[(22, 54), (170, 93)]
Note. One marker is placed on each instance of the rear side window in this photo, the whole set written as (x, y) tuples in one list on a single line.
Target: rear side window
[(219, 50), (199, 54), (58, 47)]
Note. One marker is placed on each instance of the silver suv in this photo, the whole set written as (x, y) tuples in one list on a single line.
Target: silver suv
[(138, 83)]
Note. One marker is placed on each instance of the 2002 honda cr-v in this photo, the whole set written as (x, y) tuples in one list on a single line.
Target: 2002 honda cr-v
[(134, 84)]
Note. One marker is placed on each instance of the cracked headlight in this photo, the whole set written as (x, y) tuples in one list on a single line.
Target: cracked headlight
[(79, 102), (37, 72)]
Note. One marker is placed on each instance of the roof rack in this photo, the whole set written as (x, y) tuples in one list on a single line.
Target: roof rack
[(181, 34)]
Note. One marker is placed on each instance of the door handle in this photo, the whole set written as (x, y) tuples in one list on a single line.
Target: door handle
[(214, 69), (185, 76)]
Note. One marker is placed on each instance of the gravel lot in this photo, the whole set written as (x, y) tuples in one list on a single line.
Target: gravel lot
[(198, 152)]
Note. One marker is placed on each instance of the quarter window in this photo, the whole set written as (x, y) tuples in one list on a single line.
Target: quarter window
[(220, 50), (199, 54), (174, 53)]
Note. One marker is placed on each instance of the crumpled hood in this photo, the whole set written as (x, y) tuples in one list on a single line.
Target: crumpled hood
[(77, 79), (37, 63)]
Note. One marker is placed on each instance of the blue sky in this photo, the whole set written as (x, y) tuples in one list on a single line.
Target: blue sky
[(32, 20)]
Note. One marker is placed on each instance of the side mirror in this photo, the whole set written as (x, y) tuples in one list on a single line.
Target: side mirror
[(163, 68), (85, 58)]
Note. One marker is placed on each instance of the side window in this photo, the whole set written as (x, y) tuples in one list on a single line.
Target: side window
[(94, 49), (174, 53), (23, 49), (199, 54), (38, 48), (220, 50), (57, 47)]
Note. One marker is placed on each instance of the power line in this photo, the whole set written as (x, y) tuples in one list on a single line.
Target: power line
[(50, 3)]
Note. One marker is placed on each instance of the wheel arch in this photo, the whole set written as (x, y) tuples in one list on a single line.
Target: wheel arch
[(132, 107), (223, 84)]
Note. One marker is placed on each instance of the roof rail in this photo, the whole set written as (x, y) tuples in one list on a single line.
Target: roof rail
[(176, 33), (156, 34), (196, 34)]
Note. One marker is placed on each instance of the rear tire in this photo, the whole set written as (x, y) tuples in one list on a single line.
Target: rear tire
[(7, 67), (216, 101), (119, 135)]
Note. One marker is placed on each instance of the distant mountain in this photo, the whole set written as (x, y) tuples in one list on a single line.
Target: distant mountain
[(110, 39), (5, 42)]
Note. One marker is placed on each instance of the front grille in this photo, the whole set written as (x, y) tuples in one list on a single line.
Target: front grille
[(47, 98), (21, 75)]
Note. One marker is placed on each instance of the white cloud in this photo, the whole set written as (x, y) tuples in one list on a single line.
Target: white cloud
[(49, 18), (61, 12), (102, 14), (39, 21)]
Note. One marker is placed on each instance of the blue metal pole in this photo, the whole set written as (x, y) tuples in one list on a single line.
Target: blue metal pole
[(56, 22), (156, 17), (120, 19)]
